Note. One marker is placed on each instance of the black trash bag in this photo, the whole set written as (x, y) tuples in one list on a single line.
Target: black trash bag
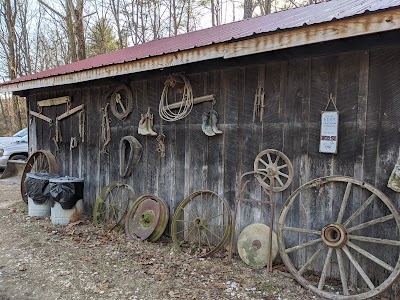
[(67, 192), (37, 186)]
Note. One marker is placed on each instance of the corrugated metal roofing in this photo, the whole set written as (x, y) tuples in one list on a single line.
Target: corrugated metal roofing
[(284, 20)]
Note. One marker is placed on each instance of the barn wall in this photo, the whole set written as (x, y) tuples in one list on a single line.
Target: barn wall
[(365, 83)]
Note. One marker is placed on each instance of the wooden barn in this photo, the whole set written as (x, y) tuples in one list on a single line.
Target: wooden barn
[(320, 84)]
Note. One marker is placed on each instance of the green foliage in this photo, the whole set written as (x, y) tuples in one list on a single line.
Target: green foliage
[(101, 38)]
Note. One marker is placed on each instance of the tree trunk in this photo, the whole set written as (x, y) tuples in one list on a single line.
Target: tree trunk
[(248, 9)]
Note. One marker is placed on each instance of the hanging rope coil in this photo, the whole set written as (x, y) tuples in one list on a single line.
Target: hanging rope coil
[(186, 104), (135, 153)]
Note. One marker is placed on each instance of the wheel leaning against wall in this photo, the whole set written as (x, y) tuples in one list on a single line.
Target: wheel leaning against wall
[(39, 161), (201, 223), (347, 244)]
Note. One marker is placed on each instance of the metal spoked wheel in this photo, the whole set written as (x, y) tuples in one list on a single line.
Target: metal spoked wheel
[(277, 166), (201, 224), (348, 229), (112, 204), (39, 161)]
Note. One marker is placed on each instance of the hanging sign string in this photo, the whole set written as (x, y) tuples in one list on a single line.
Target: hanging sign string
[(333, 100)]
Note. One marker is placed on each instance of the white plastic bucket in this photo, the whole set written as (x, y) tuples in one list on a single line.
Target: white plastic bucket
[(60, 216), (38, 210)]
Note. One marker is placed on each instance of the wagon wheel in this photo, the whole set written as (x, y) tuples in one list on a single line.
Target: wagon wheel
[(201, 223), (277, 166), (345, 247), (147, 218), (112, 204), (39, 161)]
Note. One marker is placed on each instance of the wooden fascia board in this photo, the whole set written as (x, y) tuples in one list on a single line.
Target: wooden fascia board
[(310, 34)]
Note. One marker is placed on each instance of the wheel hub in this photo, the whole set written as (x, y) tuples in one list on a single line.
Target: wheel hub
[(200, 223), (271, 171), (334, 235)]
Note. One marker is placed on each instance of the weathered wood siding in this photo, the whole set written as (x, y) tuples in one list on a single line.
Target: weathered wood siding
[(366, 84)]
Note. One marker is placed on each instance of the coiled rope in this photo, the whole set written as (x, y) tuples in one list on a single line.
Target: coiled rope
[(186, 104)]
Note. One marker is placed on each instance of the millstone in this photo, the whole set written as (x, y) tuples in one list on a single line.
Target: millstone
[(253, 245), (146, 218)]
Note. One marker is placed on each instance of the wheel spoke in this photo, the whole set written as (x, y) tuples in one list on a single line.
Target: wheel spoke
[(358, 268), (325, 269), (208, 241), (359, 210), (371, 257), (276, 161), (302, 230), (186, 221), (301, 246), (176, 233), (269, 159), (188, 235), (312, 259), (370, 223), (374, 240), (281, 167), (343, 277), (219, 238), (214, 216), (219, 225), (283, 174), (344, 203), (279, 180), (263, 162)]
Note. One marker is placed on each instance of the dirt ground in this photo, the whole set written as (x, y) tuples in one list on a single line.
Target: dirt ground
[(39, 260)]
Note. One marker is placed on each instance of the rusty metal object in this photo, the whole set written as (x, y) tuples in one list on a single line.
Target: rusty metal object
[(112, 204), (201, 224), (275, 165), (132, 145), (121, 102), (147, 218), (243, 182), (254, 245), (351, 234), (39, 161)]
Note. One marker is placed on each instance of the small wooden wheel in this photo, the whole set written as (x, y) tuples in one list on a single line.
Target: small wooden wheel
[(277, 166), (349, 229), (121, 103), (112, 204), (201, 224), (39, 161)]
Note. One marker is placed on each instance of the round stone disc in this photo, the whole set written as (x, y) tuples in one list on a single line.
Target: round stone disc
[(253, 245), (146, 218)]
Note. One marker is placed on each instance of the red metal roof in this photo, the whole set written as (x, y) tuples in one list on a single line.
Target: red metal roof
[(284, 20)]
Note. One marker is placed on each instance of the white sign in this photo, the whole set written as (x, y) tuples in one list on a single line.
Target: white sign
[(329, 132)]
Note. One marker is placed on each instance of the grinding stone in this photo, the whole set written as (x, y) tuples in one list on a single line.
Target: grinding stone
[(253, 245)]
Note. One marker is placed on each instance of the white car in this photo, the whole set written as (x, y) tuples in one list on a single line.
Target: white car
[(15, 151), (7, 140)]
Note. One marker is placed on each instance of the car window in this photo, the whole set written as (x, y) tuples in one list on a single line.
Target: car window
[(21, 133), (24, 139)]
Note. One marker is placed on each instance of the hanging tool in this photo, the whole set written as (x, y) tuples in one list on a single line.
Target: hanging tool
[(105, 129), (258, 110)]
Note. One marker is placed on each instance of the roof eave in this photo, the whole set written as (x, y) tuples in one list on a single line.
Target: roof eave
[(360, 25)]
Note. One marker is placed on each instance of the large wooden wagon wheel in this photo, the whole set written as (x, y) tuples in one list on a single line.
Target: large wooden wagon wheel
[(39, 161), (276, 165), (201, 223), (348, 229), (112, 204)]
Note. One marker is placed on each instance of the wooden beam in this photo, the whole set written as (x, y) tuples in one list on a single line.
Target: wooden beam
[(70, 112), (40, 116), (54, 101), (196, 100)]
